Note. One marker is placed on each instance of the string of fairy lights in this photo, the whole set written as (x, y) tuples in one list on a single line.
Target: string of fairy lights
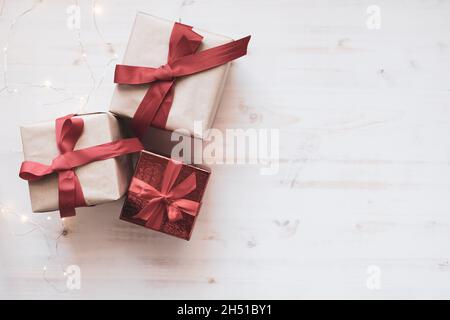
[(51, 242), (66, 94)]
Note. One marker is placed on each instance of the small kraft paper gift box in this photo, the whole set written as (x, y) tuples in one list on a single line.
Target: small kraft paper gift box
[(172, 76), (75, 161), (165, 195)]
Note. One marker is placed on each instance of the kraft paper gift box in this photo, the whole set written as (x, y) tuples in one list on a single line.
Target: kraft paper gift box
[(149, 174), (197, 96), (101, 181)]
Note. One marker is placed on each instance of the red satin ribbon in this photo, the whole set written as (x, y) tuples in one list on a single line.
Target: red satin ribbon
[(68, 131), (182, 60), (169, 200)]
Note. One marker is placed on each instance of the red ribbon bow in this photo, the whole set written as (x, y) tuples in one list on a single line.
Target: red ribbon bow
[(169, 200), (183, 60), (68, 131)]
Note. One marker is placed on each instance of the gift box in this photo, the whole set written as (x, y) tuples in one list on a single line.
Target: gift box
[(195, 94), (80, 160), (165, 195)]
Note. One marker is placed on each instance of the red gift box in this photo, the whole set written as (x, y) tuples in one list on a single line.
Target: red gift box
[(165, 195)]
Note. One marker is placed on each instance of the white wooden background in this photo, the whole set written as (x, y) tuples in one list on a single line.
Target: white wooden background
[(364, 120)]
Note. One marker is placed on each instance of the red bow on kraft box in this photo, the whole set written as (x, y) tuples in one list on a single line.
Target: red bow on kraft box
[(165, 195), (183, 60), (68, 131)]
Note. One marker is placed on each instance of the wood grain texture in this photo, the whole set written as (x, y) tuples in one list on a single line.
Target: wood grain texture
[(364, 120)]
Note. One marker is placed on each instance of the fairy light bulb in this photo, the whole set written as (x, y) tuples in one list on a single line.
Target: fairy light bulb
[(98, 9), (47, 83), (23, 218)]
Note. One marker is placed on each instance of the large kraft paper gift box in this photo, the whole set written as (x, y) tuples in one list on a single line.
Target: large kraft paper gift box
[(197, 96), (101, 181)]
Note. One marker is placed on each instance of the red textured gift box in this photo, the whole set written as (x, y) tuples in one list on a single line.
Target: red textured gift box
[(151, 204)]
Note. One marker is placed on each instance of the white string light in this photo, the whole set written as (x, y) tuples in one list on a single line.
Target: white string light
[(25, 219), (97, 10), (6, 88), (67, 95)]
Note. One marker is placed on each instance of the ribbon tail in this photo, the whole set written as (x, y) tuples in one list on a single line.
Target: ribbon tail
[(79, 195), (160, 119), (66, 193), (30, 170), (67, 212), (157, 219), (174, 213), (152, 213), (188, 206), (133, 75), (148, 210), (210, 58), (149, 106)]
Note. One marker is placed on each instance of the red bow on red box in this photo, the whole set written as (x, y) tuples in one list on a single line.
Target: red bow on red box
[(169, 200)]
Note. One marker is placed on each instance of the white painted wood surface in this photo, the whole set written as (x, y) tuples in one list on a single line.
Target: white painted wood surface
[(364, 120)]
